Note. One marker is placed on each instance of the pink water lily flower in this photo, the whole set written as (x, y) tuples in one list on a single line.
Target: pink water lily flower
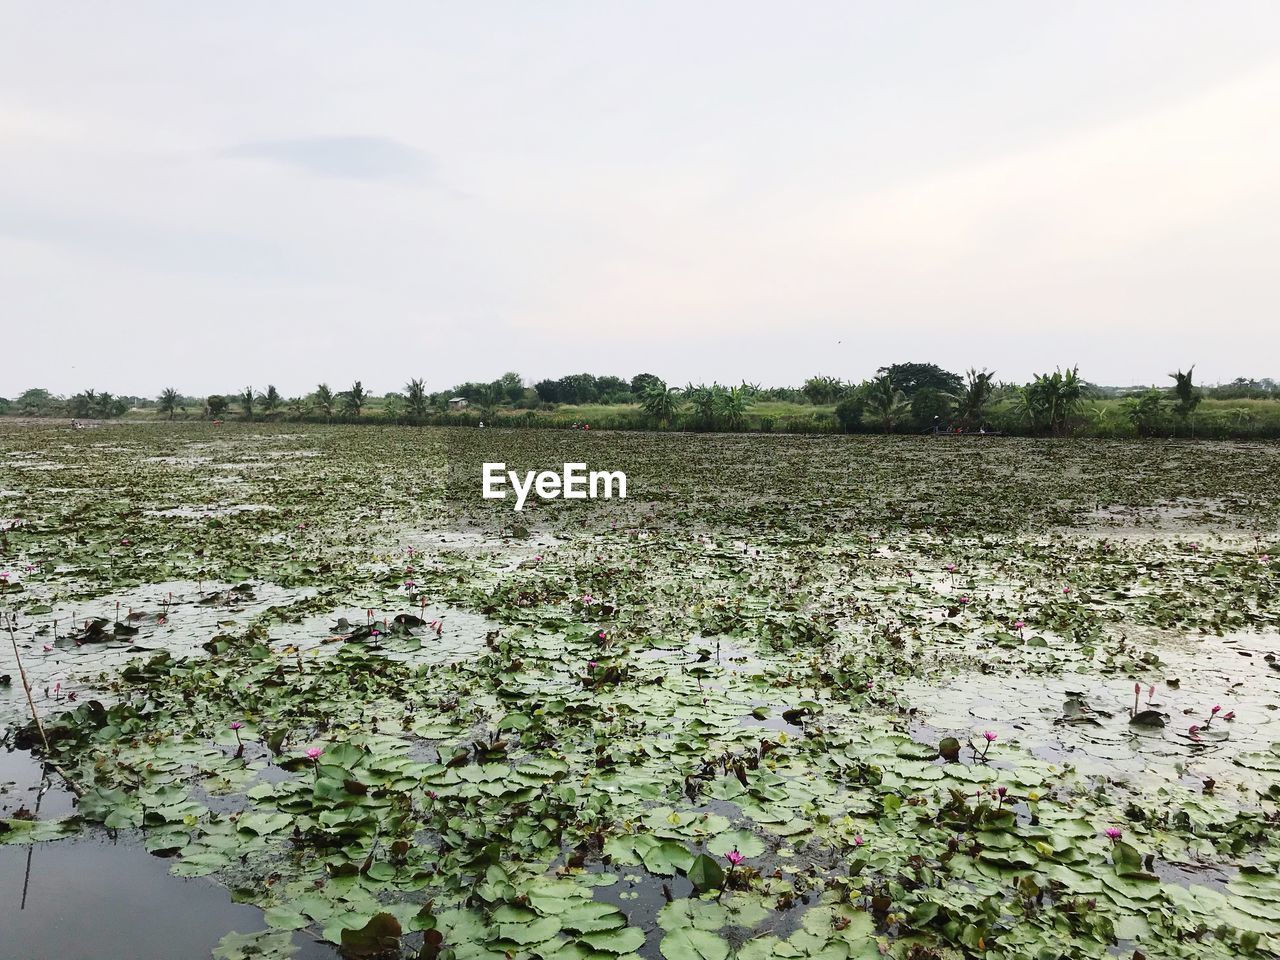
[(1114, 834), (734, 857), (314, 753), (989, 736), (858, 840)]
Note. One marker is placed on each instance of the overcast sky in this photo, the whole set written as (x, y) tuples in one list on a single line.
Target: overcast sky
[(208, 195)]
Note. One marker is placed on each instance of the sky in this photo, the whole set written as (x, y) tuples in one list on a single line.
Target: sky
[(208, 196)]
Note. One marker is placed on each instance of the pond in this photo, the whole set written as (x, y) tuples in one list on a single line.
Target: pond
[(804, 697)]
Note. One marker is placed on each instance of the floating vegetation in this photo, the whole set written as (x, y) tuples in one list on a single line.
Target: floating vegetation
[(807, 698)]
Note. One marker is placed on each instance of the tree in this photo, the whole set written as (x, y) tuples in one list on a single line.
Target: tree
[(886, 404), (83, 404), (1050, 401), (974, 398), (852, 409), (911, 377), (271, 400), (577, 388), (548, 391), (217, 405), (169, 401), (353, 400), (416, 398), (1188, 396), (393, 407), (36, 402), (703, 401), (660, 402), (325, 400), (822, 389), (108, 405), (247, 398), (731, 406), (1146, 412), (511, 386), (641, 383), (930, 406)]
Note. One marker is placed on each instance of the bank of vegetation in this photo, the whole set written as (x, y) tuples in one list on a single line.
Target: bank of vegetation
[(902, 398)]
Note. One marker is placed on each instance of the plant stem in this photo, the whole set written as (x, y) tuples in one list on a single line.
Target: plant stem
[(26, 685)]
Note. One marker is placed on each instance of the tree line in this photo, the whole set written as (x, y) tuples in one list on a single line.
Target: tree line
[(903, 397)]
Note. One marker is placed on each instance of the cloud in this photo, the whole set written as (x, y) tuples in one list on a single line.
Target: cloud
[(351, 158)]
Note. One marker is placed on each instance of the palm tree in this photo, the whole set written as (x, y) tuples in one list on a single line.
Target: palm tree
[(271, 400), (83, 404), (1050, 401), (105, 404), (731, 406), (1145, 412), (353, 400), (325, 400), (1188, 396), (974, 398), (169, 401), (660, 402), (246, 402), (416, 395), (703, 400), (886, 404)]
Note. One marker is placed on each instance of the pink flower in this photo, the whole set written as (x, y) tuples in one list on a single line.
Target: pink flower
[(989, 736), (1193, 730), (592, 664), (857, 840), (314, 753), (538, 558), (951, 568), (964, 600), (236, 725), (1217, 708), (1229, 715), (1019, 624), (1114, 833), (600, 635), (48, 648), (734, 857), (1002, 792), (1066, 589)]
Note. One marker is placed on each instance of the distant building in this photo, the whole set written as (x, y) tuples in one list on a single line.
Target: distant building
[(457, 403)]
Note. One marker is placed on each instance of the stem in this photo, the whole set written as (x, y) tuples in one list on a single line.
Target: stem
[(26, 685)]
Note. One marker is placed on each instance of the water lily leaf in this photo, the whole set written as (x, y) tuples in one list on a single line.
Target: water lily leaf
[(744, 841), (705, 873), (376, 938), (692, 944), (623, 940)]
